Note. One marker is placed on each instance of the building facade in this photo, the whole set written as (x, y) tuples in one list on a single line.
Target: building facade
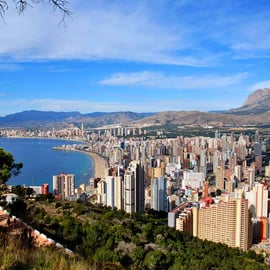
[(63, 185)]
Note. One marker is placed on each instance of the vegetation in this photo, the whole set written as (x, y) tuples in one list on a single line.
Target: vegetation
[(15, 254), (113, 238), (103, 238), (8, 167), (21, 5)]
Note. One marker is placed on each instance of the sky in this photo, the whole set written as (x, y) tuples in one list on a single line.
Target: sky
[(140, 56)]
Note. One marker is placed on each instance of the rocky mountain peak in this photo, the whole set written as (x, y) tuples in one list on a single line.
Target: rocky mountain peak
[(258, 96)]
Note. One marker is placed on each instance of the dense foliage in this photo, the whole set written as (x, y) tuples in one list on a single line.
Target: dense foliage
[(8, 167), (105, 236)]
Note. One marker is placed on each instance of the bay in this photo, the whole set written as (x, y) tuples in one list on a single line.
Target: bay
[(41, 161)]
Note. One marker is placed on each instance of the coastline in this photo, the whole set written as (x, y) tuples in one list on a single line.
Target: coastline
[(100, 163), (97, 170)]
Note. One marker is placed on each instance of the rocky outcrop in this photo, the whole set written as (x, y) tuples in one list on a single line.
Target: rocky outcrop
[(257, 97), (257, 103)]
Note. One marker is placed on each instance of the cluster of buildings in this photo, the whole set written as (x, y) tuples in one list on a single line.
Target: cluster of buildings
[(216, 188), (208, 186), (71, 132)]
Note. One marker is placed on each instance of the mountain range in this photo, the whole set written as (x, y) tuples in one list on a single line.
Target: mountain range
[(255, 111)]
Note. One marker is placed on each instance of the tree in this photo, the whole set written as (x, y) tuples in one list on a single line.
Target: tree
[(8, 167), (21, 5), (155, 260)]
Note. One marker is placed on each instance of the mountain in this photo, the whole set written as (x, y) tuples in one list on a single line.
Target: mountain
[(205, 119), (48, 119), (34, 118), (255, 111), (256, 103)]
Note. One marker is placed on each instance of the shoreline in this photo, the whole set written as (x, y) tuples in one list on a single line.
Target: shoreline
[(99, 162)]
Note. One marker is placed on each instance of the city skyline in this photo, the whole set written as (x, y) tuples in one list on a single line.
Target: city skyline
[(143, 57)]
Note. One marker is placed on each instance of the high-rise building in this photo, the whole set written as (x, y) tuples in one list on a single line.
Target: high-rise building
[(129, 192), (258, 164), (159, 194), (227, 222), (101, 192), (118, 193), (251, 176), (172, 219), (44, 189), (258, 200), (110, 191), (134, 186), (194, 180), (220, 183), (267, 171), (257, 136), (184, 222), (238, 173), (257, 149), (64, 185)]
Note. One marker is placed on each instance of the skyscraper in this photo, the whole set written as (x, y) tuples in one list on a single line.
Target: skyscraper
[(227, 222), (64, 185), (118, 192), (159, 194), (110, 191), (134, 188), (129, 192)]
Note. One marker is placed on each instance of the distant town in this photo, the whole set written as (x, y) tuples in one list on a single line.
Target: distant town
[(215, 187)]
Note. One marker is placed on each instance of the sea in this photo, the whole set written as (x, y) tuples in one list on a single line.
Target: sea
[(41, 161)]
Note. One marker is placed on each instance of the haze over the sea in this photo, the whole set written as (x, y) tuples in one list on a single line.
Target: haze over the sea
[(41, 162)]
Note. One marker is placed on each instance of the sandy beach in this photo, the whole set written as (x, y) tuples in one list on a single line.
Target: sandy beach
[(100, 164)]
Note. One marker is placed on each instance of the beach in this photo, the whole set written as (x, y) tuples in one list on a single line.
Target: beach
[(100, 164)]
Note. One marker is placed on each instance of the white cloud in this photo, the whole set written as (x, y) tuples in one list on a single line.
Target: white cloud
[(97, 32), (260, 85), (190, 33), (160, 80)]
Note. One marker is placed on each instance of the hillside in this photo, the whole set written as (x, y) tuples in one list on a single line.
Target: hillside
[(17, 254), (105, 237), (205, 119)]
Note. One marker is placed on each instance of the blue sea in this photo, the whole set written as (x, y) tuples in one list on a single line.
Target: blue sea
[(41, 161)]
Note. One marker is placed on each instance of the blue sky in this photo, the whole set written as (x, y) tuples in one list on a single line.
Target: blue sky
[(141, 56)]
